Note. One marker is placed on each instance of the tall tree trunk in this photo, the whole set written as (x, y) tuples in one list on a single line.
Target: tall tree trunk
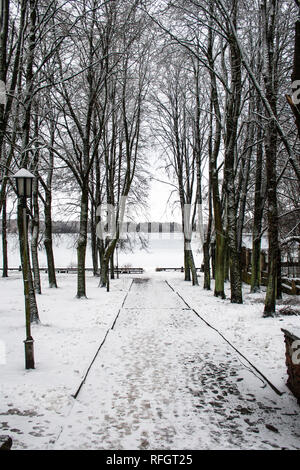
[(82, 243), (226, 257), (207, 242), (35, 230), (244, 179), (191, 272), (258, 195), (187, 268), (197, 151), (213, 259), (4, 22), (206, 262), (112, 266), (273, 255), (218, 261), (103, 272), (4, 241), (279, 286), (258, 214), (29, 78), (233, 111), (195, 281), (94, 244), (189, 264), (48, 239), (16, 77), (271, 85), (35, 222), (106, 258), (48, 236), (34, 315)]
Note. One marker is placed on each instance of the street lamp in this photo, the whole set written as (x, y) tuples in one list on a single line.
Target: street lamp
[(117, 262), (24, 181)]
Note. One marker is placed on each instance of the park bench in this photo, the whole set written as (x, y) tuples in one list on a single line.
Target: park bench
[(124, 270), (129, 270), (176, 269)]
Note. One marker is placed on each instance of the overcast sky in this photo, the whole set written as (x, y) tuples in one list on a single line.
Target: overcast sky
[(160, 210)]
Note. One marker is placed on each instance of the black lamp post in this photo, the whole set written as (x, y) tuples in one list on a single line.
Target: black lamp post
[(24, 181), (117, 261)]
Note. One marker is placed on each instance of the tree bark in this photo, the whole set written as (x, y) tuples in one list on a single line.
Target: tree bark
[(206, 244), (271, 86), (94, 245), (34, 315), (112, 266), (4, 21), (4, 241), (27, 104), (16, 73), (258, 213), (35, 222), (35, 230), (82, 243), (218, 261), (233, 111), (48, 239)]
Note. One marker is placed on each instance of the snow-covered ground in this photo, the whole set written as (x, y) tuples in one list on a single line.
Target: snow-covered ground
[(34, 403), (259, 339), (162, 380)]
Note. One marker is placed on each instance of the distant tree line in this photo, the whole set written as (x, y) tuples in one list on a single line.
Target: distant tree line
[(127, 227)]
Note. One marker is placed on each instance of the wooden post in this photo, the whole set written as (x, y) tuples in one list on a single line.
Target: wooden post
[(293, 288), (263, 263)]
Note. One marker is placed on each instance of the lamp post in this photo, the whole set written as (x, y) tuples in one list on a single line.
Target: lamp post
[(117, 262), (24, 181)]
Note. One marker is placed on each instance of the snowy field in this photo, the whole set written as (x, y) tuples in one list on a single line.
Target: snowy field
[(162, 380), (34, 403)]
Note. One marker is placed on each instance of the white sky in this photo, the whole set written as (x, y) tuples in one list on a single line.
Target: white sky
[(160, 210)]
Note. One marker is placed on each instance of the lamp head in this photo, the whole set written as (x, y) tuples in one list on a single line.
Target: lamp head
[(24, 181)]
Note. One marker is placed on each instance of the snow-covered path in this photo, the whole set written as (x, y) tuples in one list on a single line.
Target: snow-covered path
[(164, 380)]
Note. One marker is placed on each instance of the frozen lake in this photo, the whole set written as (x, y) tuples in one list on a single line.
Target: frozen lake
[(163, 250)]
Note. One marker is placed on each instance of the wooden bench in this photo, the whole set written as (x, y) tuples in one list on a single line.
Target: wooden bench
[(129, 270), (176, 269), (74, 270)]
